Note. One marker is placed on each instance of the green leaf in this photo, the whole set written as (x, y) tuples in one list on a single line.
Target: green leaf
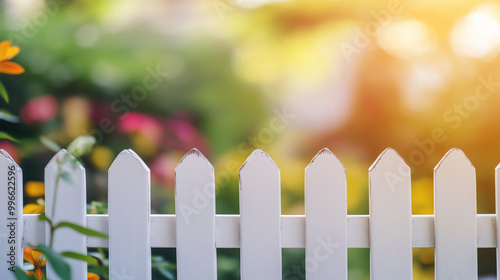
[(7, 116), (97, 257), (20, 274), (56, 261), (77, 256), (73, 162), (82, 230), (51, 145), (42, 217), (81, 145), (162, 266), (3, 93), (162, 269), (66, 177), (4, 135)]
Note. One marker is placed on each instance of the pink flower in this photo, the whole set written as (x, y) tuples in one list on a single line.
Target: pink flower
[(183, 136), (39, 109), (162, 169), (144, 124)]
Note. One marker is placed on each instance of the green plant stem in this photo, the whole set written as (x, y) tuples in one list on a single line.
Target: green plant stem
[(53, 212), (52, 230)]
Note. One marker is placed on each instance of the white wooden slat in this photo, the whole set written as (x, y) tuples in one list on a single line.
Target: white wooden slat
[(292, 231), (11, 216), (195, 222), (497, 214), (390, 218), (260, 210), (326, 218), (71, 206), (129, 208), (455, 217), (227, 231)]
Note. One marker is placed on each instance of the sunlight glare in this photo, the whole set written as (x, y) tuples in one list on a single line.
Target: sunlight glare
[(407, 39), (477, 35)]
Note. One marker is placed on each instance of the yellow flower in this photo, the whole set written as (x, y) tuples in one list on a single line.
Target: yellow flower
[(34, 189), (7, 52), (32, 208), (102, 157), (37, 260)]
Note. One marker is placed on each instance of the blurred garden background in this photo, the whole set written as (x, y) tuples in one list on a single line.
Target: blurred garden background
[(162, 77)]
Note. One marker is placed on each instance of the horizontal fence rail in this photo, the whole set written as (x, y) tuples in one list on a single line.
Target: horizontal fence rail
[(227, 231), (326, 231)]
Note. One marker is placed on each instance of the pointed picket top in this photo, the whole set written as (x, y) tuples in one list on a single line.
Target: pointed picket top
[(194, 155), (456, 158), (325, 157), (11, 187), (60, 156), (256, 159), (128, 157), (258, 155), (388, 156), (8, 157)]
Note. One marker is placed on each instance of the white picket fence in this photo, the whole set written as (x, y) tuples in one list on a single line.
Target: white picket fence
[(260, 231)]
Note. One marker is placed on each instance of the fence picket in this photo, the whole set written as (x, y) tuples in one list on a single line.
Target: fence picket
[(195, 218), (70, 206), (129, 207), (390, 218), (260, 222), (260, 231), (11, 216), (326, 218), (455, 217)]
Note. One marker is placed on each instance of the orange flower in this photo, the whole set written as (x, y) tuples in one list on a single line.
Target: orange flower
[(36, 259), (92, 276), (7, 52)]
